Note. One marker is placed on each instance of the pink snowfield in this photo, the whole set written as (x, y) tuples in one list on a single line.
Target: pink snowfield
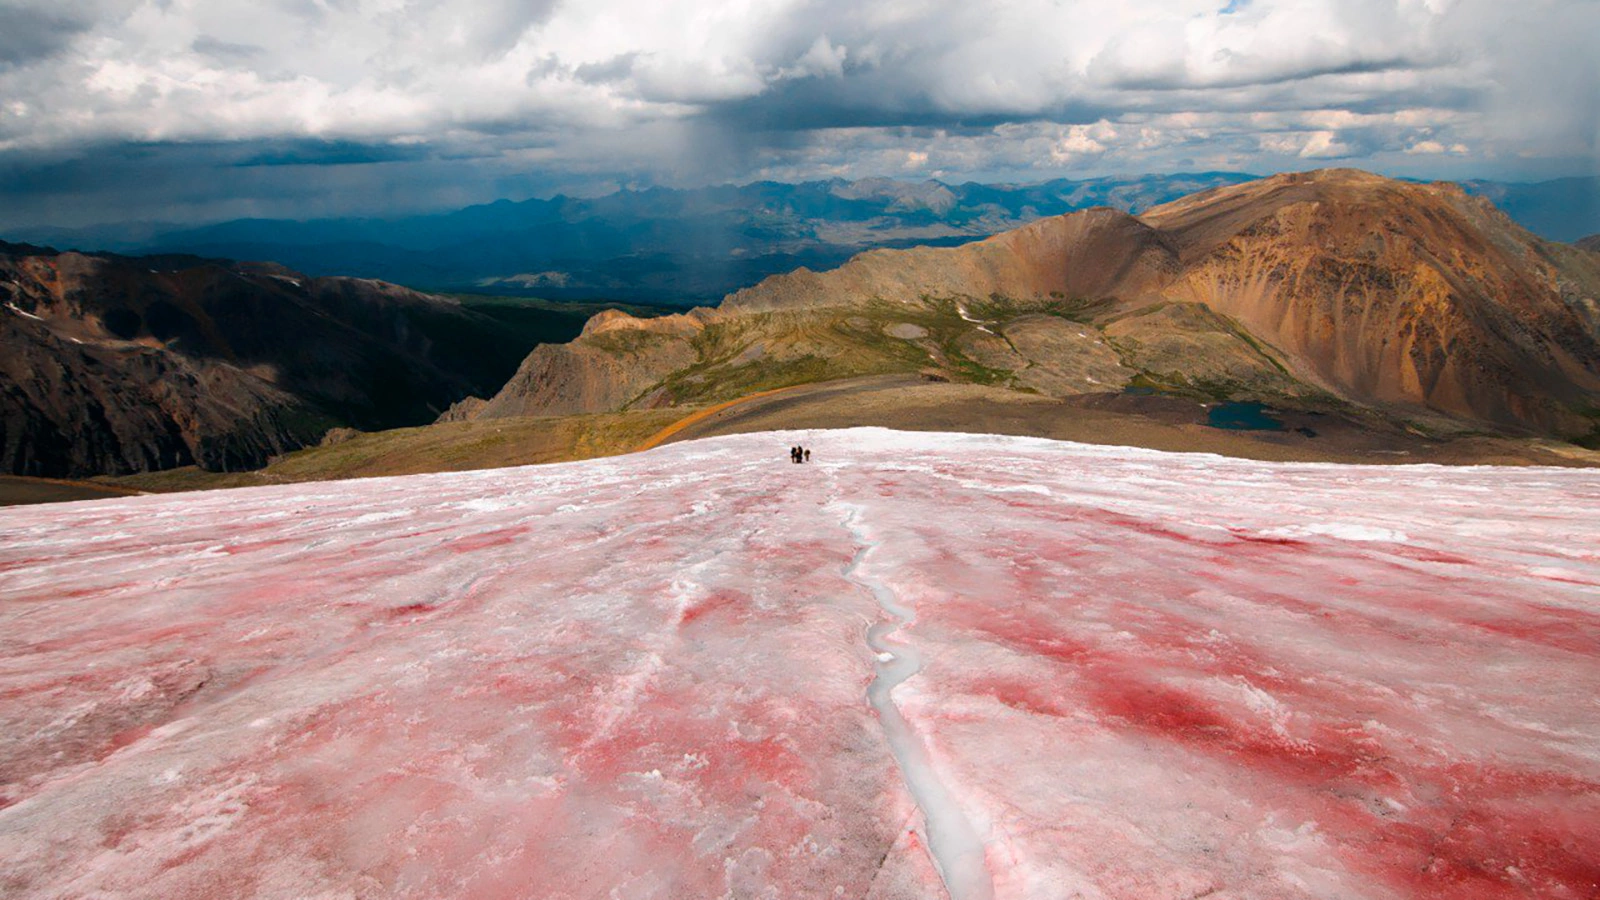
[(919, 666)]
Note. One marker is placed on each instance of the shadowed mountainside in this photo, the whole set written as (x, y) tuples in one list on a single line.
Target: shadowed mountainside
[(1329, 289), (115, 364)]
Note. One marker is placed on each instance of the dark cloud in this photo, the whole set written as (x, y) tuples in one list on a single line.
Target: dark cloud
[(225, 50), (613, 70), (864, 102), (29, 33), (332, 153), (216, 181), (1184, 82)]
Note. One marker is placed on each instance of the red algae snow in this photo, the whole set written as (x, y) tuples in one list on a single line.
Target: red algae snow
[(919, 666)]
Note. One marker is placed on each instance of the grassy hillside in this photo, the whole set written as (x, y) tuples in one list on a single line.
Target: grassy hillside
[(1055, 348)]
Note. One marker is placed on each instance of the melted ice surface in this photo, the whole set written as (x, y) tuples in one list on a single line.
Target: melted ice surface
[(922, 665)]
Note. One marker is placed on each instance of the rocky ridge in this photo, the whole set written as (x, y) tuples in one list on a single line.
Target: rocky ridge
[(114, 364)]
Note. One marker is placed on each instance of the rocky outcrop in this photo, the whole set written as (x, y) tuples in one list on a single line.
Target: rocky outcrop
[(110, 365), (613, 363), (564, 379), (1191, 345), (1049, 355), (75, 408)]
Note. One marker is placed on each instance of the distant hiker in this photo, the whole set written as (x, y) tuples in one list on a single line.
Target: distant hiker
[(808, 454), (794, 454)]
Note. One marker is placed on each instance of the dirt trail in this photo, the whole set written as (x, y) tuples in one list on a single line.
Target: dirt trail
[(694, 418)]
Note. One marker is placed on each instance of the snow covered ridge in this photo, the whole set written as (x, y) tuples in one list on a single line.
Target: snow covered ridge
[(921, 665)]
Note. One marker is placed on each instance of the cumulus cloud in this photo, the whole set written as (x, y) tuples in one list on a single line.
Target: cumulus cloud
[(520, 92)]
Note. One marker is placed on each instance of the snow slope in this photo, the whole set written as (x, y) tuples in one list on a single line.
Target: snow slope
[(923, 663)]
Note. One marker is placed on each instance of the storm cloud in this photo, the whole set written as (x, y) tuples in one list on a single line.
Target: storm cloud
[(298, 107)]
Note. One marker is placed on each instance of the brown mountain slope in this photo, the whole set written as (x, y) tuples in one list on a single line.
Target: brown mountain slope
[(114, 365), (1095, 253), (883, 311), (1333, 287), (1399, 294)]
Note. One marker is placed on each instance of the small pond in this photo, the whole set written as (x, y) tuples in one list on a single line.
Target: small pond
[(1249, 416)]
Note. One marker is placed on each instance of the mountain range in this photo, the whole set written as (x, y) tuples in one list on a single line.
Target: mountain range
[(670, 246), (1380, 304), (1335, 290)]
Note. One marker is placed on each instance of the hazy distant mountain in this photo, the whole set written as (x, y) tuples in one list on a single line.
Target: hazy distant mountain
[(1561, 210), (658, 245), (1333, 290), (674, 246), (667, 246)]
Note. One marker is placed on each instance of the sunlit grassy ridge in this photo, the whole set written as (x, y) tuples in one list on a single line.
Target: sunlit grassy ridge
[(1175, 348)]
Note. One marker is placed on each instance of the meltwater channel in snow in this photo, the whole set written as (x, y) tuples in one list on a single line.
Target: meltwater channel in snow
[(920, 666)]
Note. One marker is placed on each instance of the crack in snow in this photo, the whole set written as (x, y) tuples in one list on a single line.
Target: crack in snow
[(957, 850)]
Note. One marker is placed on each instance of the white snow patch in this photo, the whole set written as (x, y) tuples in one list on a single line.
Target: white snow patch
[(488, 504), (373, 518), (1341, 531), (961, 310)]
